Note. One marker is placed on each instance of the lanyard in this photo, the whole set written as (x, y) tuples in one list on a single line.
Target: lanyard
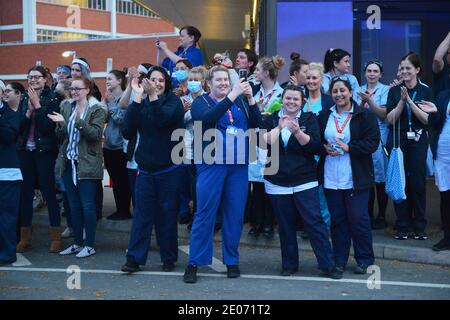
[(340, 130), (408, 109), (261, 97), (230, 116)]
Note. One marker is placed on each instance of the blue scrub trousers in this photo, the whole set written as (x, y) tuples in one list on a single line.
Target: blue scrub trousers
[(157, 203), (350, 222), (9, 213), (306, 204), (224, 188)]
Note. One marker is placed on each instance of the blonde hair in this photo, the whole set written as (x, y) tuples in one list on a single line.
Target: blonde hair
[(318, 67), (273, 65), (215, 69), (200, 70)]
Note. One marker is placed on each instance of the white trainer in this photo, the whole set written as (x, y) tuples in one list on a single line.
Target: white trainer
[(71, 250), (86, 252), (67, 233)]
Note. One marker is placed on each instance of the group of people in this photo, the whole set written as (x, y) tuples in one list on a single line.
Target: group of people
[(328, 137)]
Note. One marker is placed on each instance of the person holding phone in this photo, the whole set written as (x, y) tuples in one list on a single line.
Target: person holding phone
[(373, 96), (189, 37)]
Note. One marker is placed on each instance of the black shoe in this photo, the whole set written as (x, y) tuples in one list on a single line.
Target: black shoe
[(268, 233), (401, 235), (361, 269), (379, 224), (168, 266), (254, 231), (190, 274), (340, 268), (333, 273), (288, 272), (217, 227), (420, 235), (233, 271), (116, 216), (442, 245), (130, 267)]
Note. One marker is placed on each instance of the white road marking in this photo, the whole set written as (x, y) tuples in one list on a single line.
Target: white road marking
[(217, 265), (246, 276), (21, 261)]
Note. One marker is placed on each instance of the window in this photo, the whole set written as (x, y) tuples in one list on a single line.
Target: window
[(55, 36), (87, 4), (132, 8)]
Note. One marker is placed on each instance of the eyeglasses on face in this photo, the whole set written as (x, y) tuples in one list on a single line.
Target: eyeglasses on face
[(34, 77), (76, 89)]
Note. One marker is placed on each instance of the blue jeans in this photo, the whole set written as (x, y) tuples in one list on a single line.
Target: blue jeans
[(9, 212), (82, 202), (157, 202), (40, 167), (350, 222)]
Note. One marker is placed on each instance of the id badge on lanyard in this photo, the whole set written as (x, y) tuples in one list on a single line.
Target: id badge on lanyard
[(231, 129)]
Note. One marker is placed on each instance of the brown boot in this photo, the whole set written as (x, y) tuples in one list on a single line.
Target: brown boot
[(55, 234), (25, 239)]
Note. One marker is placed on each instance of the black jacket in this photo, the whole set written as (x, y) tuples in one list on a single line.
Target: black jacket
[(365, 137), (296, 162), (437, 119), (9, 130), (155, 121), (44, 132)]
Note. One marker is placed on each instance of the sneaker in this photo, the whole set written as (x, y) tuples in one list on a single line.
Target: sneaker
[(233, 271), (130, 267), (254, 231), (190, 274), (168, 266), (73, 249), (340, 268), (67, 233), (268, 233), (444, 244), (401, 235), (86, 252), (361, 269), (420, 235)]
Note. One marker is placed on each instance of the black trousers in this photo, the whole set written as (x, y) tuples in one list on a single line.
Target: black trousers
[(261, 212), (411, 212), (116, 165), (445, 212)]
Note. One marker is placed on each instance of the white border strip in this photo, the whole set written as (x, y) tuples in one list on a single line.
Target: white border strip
[(247, 276), (11, 27)]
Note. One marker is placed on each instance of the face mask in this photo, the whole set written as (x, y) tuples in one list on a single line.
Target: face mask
[(180, 75), (194, 86)]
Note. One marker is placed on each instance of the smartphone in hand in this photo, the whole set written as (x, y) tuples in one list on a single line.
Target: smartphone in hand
[(243, 73)]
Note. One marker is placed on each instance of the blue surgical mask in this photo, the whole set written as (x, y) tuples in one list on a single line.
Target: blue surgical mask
[(194, 86), (180, 75)]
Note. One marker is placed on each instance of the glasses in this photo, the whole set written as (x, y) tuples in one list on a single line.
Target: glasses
[(336, 78), (34, 77), (76, 89)]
